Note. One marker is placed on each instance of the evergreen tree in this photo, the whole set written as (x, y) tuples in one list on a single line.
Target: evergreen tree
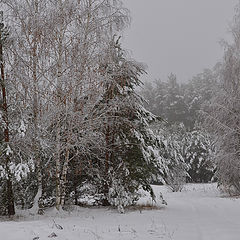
[(198, 92), (188, 155), (181, 103), (129, 143), (199, 154), (172, 153), (167, 100), (175, 107)]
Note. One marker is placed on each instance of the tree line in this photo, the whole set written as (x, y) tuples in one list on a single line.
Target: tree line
[(208, 106)]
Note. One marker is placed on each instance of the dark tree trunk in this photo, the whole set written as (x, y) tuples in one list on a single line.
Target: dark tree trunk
[(106, 180), (10, 197)]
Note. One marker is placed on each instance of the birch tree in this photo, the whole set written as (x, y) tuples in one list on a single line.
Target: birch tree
[(223, 115), (79, 33), (29, 69)]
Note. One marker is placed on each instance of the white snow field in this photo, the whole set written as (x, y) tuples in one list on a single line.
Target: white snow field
[(199, 212)]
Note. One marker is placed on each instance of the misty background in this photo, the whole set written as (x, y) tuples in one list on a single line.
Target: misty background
[(182, 37)]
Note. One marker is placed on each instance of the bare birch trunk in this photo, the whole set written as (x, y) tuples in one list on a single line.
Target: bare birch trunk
[(37, 206), (58, 169), (60, 100), (64, 178), (107, 158)]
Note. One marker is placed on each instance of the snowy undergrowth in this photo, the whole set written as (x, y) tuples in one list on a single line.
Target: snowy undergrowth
[(198, 212)]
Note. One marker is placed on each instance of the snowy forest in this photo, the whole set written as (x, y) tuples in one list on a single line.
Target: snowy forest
[(79, 127)]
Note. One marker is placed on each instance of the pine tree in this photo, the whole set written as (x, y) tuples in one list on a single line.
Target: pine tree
[(167, 100), (172, 155), (199, 154), (129, 143)]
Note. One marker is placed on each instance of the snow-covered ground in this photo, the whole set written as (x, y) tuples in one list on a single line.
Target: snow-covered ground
[(199, 212)]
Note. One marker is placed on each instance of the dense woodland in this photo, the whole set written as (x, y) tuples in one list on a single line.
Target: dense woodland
[(74, 125)]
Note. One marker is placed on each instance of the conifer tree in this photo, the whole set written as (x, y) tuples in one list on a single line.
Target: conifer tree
[(129, 160), (199, 154)]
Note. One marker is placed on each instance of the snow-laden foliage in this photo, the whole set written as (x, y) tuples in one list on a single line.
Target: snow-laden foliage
[(129, 157), (172, 152), (180, 103), (72, 116), (199, 156), (222, 116), (122, 193), (187, 155), (72, 106)]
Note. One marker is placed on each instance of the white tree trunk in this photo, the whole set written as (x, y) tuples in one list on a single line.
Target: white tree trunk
[(58, 169), (64, 178)]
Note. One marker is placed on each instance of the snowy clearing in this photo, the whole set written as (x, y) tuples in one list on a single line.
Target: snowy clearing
[(199, 212)]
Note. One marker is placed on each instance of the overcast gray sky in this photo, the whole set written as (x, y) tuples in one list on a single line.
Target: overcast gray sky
[(179, 36)]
